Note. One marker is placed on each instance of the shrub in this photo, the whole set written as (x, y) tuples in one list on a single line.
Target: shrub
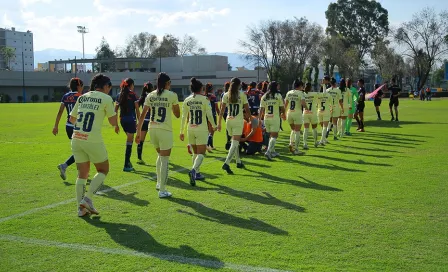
[(20, 99), (5, 98), (34, 98), (45, 98)]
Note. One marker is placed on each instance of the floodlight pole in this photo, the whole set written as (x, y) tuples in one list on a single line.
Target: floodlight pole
[(83, 30)]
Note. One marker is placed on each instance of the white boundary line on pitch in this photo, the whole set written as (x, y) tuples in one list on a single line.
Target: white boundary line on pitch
[(14, 216), (128, 252)]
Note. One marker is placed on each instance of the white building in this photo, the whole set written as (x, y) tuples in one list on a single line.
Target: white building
[(21, 42)]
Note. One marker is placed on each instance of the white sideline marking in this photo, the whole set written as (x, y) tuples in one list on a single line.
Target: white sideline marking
[(128, 252), (4, 219)]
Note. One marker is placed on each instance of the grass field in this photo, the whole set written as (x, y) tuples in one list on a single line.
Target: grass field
[(376, 201)]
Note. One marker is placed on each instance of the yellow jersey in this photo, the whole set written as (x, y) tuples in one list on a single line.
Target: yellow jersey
[(271, 106), (324, 102), (89, 111), (294, 98), (160, 107), (312, 100), (197, 107), (336, 95), (235, 110)]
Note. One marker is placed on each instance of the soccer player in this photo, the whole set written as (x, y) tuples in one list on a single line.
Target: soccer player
[(159, 103), (337, 107), (68, 102), (351, 112), (127, 103), (377, 100), (229, 138), (235, 102), (215, 109), (271, 109), (347, 101), (323, 114), (254, 98), (394, 94), (359, 115), (87, 143), (310, 115), (197, 109), (294, 102), (147, 88)]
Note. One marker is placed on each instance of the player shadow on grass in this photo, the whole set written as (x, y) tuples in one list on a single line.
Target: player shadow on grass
[(185, 184), (329, 166), (351, 161), (399, 134), (268, 199), (117, 195), (220, 217), (137, 239), (369, 149), (304, 184), (382, 143), (392, 139), (356, 154), (390, 124)]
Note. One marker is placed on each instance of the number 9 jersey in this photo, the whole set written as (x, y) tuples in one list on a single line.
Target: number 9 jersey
[(160, 107), (89, 111)]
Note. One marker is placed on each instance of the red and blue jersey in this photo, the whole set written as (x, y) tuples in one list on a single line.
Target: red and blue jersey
[(128, 113), (69, 100), (212, 98), (254, 98)]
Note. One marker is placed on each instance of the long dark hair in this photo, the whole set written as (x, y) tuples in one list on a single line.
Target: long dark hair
[(208, 88), (272, 90), (147, 88), (264, 89), (99, 81), (234, 90), (244, 86), (74, 84), (162, 80), (125, 89), (297, 83), (195, 85), (342, 85), (226, 86)]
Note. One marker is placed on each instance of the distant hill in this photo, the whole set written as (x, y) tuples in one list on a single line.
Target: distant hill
[(235, 60), (50, 54)]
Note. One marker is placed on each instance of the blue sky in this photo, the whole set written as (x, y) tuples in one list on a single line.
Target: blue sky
[(217, 24)]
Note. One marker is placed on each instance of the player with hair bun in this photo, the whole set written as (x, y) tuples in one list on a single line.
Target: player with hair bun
[(196, 110)]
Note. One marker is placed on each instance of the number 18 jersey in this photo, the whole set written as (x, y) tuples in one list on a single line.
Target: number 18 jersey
[(160, 107), (198, 109), (90, 110)]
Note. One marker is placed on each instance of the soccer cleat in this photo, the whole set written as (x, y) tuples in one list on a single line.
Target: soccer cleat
[(298, 152), (86, 203), (378, 119), (291, 148), (275, 154), (240, 165), (316, 144), (128, 169), (268, 156), (393, 119), (322, 143), (199, 176), (305, 147), (164, 194), (82, 212), (192, 175), (62, 169), (141, 162), (226, 167), (348, 133), (209, 149), (362, 130), (396, 120), (335, 138)]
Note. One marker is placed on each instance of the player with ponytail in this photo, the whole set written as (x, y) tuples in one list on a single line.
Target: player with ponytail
[(147, 88), (127, 103)]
